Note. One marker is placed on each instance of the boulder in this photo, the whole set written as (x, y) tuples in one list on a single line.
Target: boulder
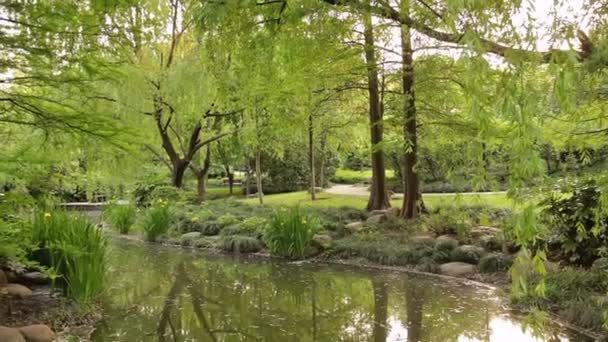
[(457, 269), (322, 241), (490, 243), (393, 212), (15, 290), (34, 278), (3, 279), (479, 231), (377, 212), (10, 335), (354, 227), (37, 333), (191, 236), (376, 219), (467, 253)]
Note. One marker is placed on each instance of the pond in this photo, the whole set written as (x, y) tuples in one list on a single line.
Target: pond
[(166, 294)]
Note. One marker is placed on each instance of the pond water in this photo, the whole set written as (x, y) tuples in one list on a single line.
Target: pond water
[(166, 294)]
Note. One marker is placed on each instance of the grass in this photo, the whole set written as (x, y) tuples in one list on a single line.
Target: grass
[(325, 200), (289, 233)]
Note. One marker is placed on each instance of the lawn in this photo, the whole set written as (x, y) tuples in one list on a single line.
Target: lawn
[(345, 176), (302, 198)]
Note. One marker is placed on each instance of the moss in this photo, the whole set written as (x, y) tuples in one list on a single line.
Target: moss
[(496, 262), (240, 244)]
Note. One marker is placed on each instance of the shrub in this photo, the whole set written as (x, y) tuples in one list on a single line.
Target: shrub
[(157, 220), (210, 228), (467, 253), (427, 265), (253, 227), (227, 220), (572, 215), (496, 262), (290, 233), (447, 222), (446, 245), (73, 248), (120, 216), (14, 241), (240, 244)]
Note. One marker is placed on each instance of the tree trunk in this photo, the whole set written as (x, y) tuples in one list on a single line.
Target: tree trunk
[(378, 198), (230, 181), (412, 200), (202, 175), (177, 174), (258, 175), (311, 157)]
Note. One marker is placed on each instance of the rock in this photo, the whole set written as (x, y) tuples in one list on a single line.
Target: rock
[(510, 247), (446, 242), (600, 264), (467, 253), (393, 212), (3, 279), (191, 236), (34, 278), (322, 241), (10, 335), (480, 231), (377, 212), (490, 243), (495, 262), (37, 333), (354, 227), (15, 290), (376, 219), (457, 269), (423, 240)]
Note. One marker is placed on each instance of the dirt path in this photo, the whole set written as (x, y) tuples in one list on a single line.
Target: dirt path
[(359, 190)]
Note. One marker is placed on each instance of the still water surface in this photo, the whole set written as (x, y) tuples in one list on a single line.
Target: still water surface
[(166, 294)]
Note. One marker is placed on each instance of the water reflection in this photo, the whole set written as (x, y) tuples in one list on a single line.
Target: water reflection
[(170, 295)]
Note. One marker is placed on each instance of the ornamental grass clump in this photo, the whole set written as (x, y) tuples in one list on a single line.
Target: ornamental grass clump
[(120, 216), (157, 220), (74, 249), (289, 233)]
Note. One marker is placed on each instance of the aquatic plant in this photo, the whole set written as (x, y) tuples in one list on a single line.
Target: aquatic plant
[(120, 216), (290, 233), (74, 249), (157, 220)]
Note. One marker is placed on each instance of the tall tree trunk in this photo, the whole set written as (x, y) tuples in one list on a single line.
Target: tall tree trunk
[(311, 157), (178, 172), (378, 198), (202, 175), (412, 200), (258, 175)]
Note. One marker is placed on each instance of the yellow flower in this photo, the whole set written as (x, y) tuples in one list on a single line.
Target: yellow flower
[(47, 214)]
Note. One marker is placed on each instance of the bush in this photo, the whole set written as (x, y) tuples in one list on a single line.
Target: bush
[(167, 193), (446, 245), (253, 227), (290, 233), (73, 248), (227, 220), (157, 220), (447, 222), (496, 262), (14, 241), (120, 216), (576, 233), (240, 244), (467, 253)]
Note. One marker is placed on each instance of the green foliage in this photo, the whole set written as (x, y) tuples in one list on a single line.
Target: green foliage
[(227, 219), (446, 245), (496, 262), (74, 249), (157, 220), (447, 222), (240, 244), (120, 216), (14, 241), (289, 233), (167, 193), (467, 253), (577, 226)]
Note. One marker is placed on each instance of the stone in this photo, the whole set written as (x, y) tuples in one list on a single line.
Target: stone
[(376, 219), (10, 335), (457, 269), (3, 278), (322, 241), (377, 212), (393, 212), (479, 231), (191, 236), (37, 333), (38, 278), (467, 253), (490, 243), (15, 290), (354, 227)]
